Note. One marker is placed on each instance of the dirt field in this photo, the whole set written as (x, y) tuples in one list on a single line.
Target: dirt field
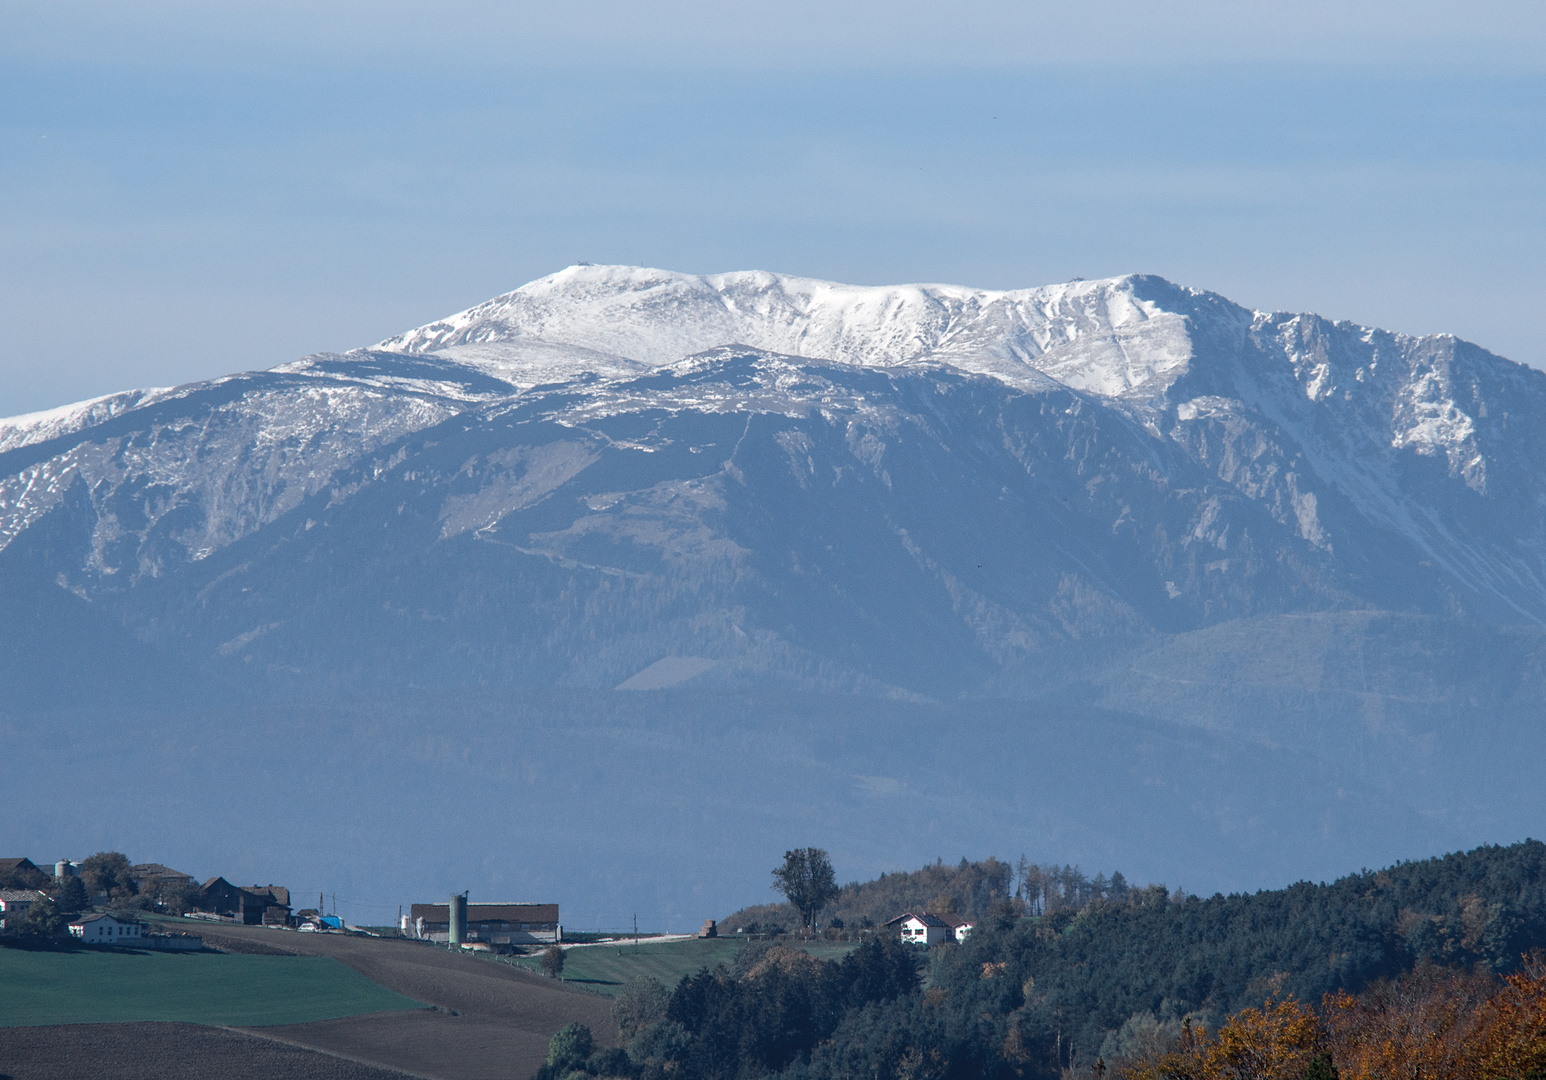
[(488, 1021), (503, 1017), (157, 1051)]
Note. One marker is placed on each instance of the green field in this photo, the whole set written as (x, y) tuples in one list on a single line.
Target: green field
[(604, 968), (89, 986)]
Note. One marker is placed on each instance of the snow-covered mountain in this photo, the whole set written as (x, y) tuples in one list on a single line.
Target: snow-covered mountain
[(1122, 495), (1287, 463)]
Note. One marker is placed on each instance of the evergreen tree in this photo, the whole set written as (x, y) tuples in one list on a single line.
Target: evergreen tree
[(70, 895)]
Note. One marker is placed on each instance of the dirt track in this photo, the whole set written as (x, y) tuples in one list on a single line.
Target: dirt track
[(150, 1051), (504, 1016)]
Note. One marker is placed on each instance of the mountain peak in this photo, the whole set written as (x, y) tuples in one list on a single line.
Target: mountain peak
[(1112, 336)]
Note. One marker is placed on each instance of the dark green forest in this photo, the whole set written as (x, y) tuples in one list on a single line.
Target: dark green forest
[(1040, 987)]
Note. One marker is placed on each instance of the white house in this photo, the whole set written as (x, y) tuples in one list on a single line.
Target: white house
[(105, 930), (14, 904), (921, 928)]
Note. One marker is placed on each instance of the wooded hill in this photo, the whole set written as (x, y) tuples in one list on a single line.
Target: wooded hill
[(967, 888), (1031, 995)]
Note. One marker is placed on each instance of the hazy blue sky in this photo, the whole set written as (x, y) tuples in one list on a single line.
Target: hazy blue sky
[(188, 189)]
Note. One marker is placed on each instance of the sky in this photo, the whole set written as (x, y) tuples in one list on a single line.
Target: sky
[(193, 188)]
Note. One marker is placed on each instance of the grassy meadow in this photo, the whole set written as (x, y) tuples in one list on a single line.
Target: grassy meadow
[(604, 968), (88, 986)]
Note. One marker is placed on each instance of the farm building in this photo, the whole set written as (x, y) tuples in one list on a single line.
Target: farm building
[(258, 904), (496, 924), (276, 903), (153, 877), (105, 930), (14, 904), (21, 874)]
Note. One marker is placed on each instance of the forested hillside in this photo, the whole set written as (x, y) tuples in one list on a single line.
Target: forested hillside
[(1032, 994)]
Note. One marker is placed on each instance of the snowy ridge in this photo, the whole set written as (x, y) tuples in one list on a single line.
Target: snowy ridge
[(238, 465), (1126, 339), (30, 428), (1105, 337), (1329, 429)]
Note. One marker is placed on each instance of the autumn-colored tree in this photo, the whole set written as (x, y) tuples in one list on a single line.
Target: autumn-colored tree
[(1421, 1025), (1275, 1042), (1432, 1024), (1511, 1038)]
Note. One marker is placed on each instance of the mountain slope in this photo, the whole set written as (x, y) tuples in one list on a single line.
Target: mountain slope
[(1319, 541)]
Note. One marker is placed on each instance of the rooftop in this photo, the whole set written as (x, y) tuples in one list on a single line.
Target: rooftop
[(503, 912)]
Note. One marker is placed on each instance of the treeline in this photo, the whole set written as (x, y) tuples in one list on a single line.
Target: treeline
[(968, 888), (1116, 979), (763, 1017)]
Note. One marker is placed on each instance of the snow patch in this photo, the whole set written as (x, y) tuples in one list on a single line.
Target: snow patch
[(666, 672)]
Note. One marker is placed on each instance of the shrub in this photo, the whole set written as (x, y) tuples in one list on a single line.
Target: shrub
[(639, 1004), (42, 919), (553, 961), (570, 1047)]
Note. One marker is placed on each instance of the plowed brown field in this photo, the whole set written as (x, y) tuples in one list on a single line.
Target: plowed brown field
[(165, 1051)]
